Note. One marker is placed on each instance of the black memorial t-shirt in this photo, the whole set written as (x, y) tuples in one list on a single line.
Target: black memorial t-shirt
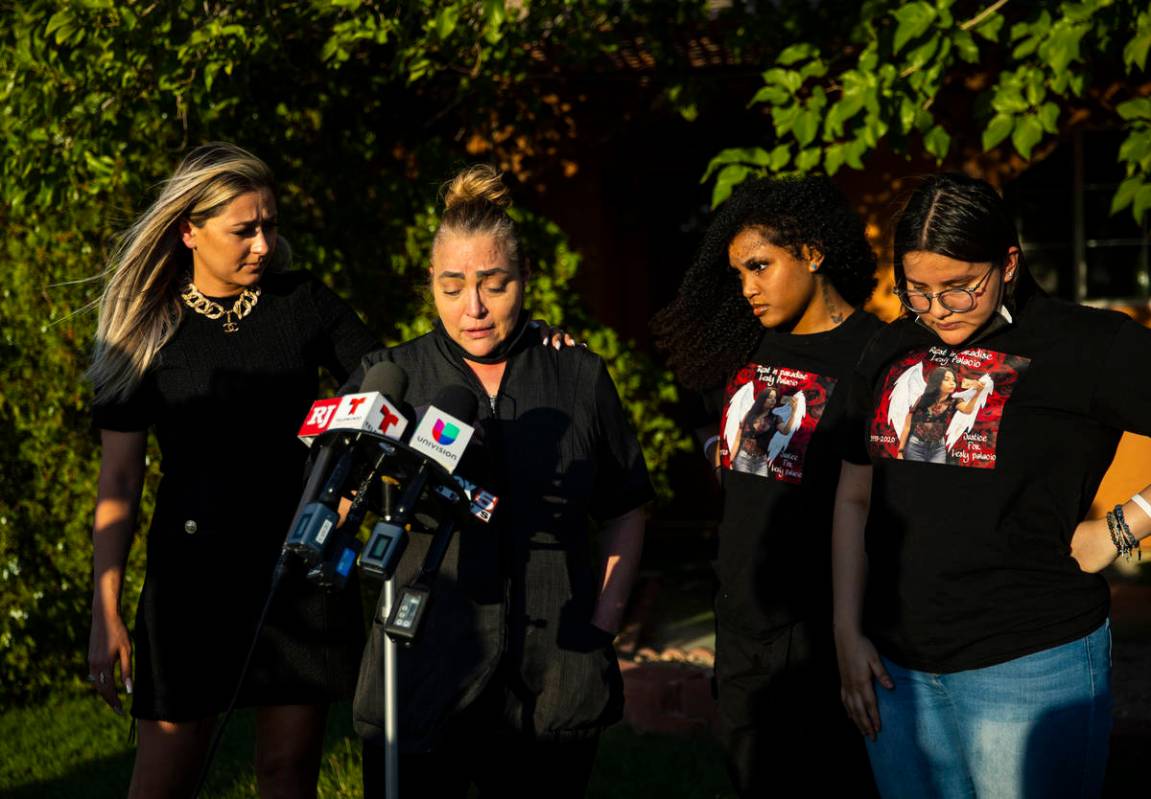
[(969, 558), (780, 463)]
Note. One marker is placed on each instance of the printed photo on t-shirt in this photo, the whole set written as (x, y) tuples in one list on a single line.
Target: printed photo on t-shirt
[(943, 406), (769, 416)]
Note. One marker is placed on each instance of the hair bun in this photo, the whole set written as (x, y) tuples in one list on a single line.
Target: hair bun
[(477, 183)]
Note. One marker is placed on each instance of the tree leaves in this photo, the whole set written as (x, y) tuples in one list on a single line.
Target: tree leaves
[(1135, 51), (1126, 194), (914, 20), (360, 110), (998, 129), (728, 178), (795, 53), (1142, 202), (755, 156), (937, 142), (1026, 134), (883, 84)]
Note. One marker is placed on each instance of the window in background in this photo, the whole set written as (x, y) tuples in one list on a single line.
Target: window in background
[(1073, 245)]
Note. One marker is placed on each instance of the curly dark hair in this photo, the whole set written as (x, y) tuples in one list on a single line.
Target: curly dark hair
[(708, 331)]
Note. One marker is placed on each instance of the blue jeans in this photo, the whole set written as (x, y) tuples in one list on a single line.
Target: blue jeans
[(925, 451), (1036, 726)]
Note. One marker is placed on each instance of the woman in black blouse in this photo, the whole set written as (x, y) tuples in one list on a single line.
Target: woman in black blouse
[(513, 675), (204, 341)]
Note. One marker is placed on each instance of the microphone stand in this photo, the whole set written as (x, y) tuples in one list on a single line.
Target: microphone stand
[(391, 716)]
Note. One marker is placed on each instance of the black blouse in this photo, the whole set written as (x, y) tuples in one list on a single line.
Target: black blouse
[(518, 593)]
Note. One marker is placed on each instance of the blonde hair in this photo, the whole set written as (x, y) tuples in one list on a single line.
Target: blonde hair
[(140, 307), (475, 203)]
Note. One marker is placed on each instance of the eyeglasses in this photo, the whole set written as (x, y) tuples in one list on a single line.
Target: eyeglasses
[(957, 300)]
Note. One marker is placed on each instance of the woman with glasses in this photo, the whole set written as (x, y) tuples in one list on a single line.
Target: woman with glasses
[(964, 571)]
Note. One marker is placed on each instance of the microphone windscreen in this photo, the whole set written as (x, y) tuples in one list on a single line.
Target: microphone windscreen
[(458, 401), (388, 379)]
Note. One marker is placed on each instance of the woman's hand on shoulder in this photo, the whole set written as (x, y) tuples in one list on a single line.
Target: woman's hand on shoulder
[(109, 645), (859, 665), (1091, 546), (555, 337)]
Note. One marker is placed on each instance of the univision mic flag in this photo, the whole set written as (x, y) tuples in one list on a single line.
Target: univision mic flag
[(442, 437)]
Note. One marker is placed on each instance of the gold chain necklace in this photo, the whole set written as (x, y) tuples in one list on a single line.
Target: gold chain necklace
[(214, 310)]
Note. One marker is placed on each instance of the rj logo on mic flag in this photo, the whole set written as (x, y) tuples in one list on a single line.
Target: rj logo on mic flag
[(365, 411), (444, 432), (442, 437)]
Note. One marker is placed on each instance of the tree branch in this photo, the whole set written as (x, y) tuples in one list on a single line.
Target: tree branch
[(982, 15)]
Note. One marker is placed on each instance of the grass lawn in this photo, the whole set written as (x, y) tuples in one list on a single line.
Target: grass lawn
[(75, 747)]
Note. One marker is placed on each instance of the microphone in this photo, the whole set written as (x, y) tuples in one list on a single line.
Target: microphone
[(439, 440), (369, 410), (441, 436)]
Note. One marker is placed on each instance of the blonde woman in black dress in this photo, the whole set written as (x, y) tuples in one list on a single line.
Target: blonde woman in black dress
[(205, 341)]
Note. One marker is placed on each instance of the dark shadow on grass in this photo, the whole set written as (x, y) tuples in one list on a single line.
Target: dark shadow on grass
[(232, 771), (635, 765), (92, 779)]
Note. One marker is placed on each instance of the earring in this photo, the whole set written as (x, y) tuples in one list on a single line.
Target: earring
[(814, 266)]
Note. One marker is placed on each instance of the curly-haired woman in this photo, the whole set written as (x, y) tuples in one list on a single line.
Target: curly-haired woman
[(795, 252)]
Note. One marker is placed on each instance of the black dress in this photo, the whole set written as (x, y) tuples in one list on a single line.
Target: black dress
[(225, 409)]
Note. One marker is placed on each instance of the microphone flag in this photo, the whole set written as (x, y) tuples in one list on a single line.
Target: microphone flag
[(370, 411), (441, 437)]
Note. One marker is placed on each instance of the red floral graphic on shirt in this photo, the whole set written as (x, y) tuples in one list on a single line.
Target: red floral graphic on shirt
[(769, 416), (944, 406)]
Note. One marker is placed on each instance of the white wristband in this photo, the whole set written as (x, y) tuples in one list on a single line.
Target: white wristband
[(1143, 504)]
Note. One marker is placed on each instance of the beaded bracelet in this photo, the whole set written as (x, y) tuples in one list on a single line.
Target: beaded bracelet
[(1121, 536), (1132, 541), (1111, 525)]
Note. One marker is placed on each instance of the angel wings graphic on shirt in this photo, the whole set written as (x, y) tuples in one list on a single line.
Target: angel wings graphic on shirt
[(790, 413), (737, 408), (909, 388)]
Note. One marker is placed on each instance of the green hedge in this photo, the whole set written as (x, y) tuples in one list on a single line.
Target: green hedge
[(355, 108)]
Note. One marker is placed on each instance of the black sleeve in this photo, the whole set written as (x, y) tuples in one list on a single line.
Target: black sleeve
[(852, 429), (132, 414), (356, 378), (348, 339), (621, 481), (1122, 397)]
